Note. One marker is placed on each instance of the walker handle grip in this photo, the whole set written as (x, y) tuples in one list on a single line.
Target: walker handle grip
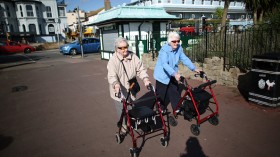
[(182, 78), (206, 84), (200, 74), (118, 95)]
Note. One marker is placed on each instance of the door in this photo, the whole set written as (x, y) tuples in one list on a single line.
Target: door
[(15, 47), (93, 44), (109, 37)]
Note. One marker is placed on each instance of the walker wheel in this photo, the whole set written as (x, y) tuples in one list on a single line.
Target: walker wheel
[(164, 141), (214, 120), (195, 129), (119, 138), (133, 152), (172, 121)]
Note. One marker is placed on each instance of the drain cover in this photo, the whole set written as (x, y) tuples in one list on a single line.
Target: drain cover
[(19, 88)]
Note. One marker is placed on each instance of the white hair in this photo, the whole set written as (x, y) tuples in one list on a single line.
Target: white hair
[(172, 35), (120, 40)]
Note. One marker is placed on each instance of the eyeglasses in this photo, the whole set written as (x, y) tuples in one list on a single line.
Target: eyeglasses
[(123, 48), (175, 41)]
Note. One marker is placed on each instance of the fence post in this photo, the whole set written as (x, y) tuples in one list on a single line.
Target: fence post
[(152, 48), (206, 45), (225, 41), (136, 46)]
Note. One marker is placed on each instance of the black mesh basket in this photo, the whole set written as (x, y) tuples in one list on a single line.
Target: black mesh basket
[(201, 98)]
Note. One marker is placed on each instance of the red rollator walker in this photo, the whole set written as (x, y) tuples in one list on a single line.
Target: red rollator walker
[(143, 118), (195, 102)]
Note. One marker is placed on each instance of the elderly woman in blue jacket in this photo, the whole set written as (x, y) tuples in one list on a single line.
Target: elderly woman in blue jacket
[(166, 70)]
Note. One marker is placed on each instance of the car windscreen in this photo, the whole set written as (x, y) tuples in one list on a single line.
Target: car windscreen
[(74, 42), (3, 43)]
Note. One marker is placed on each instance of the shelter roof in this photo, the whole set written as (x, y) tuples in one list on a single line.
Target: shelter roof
[(133, 13)]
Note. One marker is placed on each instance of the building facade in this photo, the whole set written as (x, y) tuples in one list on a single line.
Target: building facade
[(192, 9), (33, 19), (195, 9)]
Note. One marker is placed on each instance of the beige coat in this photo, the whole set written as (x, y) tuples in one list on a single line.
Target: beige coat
[(116, 74)]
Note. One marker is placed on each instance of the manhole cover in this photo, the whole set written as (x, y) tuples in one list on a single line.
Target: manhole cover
[(19, 88)]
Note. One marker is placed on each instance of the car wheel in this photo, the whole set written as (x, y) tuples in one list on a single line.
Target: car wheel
[(73, 52), (27, 50)]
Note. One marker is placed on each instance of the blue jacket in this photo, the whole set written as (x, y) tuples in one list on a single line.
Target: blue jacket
[(167, 63)]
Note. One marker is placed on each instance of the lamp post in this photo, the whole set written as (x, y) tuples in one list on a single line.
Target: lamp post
[(57, 23), (80, 28), (8, 32)]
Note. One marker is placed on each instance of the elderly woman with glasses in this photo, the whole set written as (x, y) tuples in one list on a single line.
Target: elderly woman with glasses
[(123, 66), (166, 70)]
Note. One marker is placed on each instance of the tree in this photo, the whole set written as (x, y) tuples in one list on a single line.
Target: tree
[(253, 5), (219, 12), (224, 18), (261, 8)]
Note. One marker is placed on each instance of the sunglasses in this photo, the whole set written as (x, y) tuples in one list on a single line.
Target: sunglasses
[(123, 48), (175, 41)]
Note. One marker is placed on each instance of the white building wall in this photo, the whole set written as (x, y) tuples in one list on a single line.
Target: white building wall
[(18, 16)]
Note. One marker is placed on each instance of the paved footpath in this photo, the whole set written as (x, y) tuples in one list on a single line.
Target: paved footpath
[(61, 108)]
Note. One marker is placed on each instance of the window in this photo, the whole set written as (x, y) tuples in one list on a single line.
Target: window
[(228, 16), (49, 11), (40, 29), (21, 13), (8, 11), (193, 16), (37, 11), (32, 28), (51, 29), (249, 17), (61, 11), (23, 28), (29, 11), (180, 16), (11, 28), (1, 12), (12, 43), (3, 43)]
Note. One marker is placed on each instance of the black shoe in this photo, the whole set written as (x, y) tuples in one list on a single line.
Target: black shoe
[(179, 112), (163, 109)]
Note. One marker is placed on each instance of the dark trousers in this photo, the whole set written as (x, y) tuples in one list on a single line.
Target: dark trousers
[(168, 93)]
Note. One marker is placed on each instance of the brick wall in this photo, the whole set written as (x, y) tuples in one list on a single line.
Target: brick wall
[(213, 67)]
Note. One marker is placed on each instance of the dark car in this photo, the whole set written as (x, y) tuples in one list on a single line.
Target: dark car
[(9, 47), (73, 48)]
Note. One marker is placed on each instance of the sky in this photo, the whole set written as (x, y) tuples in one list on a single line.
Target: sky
[(90, 5)]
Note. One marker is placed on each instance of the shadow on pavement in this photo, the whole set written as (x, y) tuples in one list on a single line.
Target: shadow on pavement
[(5, 141), (14, 60), (193, 148), (18, 58)]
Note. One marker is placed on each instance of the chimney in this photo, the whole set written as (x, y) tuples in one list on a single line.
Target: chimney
[(107, 4)]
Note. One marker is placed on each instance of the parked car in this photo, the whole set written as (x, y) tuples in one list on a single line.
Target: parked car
[(9, 47), (89, 45)]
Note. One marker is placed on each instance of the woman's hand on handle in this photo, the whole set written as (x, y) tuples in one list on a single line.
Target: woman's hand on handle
[(177, 77), (147, 82), (197, 70), (117, 88)]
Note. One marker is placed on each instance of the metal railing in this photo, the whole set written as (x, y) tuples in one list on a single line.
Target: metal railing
[(236, 47)]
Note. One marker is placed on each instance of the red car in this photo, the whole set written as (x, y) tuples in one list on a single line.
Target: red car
[(8, 47)]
